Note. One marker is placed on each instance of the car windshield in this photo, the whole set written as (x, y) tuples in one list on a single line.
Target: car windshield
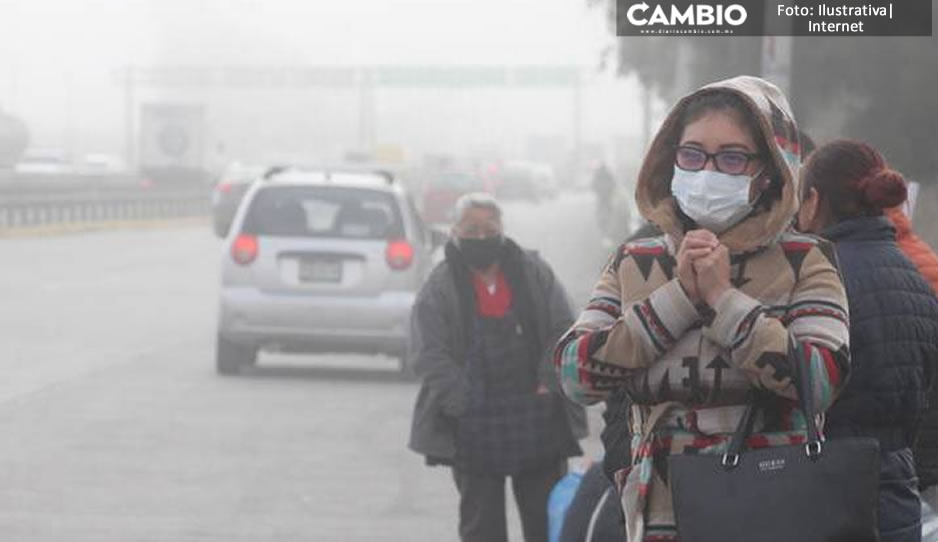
[(321, 211)]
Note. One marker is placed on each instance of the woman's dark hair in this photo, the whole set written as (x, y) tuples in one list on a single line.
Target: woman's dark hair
[(852, 180), (722, 100), (719, 100)]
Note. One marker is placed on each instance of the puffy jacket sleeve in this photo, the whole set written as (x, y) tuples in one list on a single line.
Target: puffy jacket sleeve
[(815, 321), (620, 333)]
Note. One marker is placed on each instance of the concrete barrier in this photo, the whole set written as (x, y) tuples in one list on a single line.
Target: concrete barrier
[(36, 210)]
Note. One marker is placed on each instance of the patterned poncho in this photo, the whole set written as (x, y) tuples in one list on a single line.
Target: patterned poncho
[(641, 333)]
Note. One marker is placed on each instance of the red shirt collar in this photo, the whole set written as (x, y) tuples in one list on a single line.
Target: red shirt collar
[(495, 304)]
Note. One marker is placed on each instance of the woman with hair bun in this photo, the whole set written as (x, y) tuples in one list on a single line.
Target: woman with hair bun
[(893, 319)]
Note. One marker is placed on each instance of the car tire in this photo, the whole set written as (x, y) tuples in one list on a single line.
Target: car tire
[(231, 357)]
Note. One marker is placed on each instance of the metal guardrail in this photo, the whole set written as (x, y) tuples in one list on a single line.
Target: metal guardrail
[(35, 210), (12, 183)]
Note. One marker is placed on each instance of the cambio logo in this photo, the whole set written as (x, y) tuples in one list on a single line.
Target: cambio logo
[(693, 15)]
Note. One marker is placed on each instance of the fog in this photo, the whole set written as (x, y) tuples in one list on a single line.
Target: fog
[(132, 133), (216, 216), (64, 72)]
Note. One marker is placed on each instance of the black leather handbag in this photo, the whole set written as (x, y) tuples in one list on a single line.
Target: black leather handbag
[(821, 491)]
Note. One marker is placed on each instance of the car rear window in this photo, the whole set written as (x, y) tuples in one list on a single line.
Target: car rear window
[(324, 211)]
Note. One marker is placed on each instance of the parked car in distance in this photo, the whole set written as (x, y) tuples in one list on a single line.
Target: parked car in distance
[(321, 261), (38, 161), (100, 163)]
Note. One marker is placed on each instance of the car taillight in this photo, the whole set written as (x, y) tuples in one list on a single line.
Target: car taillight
[(399, 254), (244, 249), (224, 188)]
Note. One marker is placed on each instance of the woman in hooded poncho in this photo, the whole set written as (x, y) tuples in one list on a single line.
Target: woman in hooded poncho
[(700, 316)]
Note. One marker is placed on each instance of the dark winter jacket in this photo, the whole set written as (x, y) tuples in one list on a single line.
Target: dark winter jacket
[(924, 258), (893, 336), (439, 342), (894, 348)]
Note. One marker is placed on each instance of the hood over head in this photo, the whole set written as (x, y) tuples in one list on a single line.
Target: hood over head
[(773, 114)]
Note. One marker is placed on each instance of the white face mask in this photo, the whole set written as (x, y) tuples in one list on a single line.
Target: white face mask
[(714, 200)]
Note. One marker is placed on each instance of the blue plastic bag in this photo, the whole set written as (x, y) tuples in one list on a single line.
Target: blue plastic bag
[(559, 501)]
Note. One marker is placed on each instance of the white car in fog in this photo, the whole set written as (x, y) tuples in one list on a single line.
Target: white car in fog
[(321, 260), (44, 162), (100, 163)]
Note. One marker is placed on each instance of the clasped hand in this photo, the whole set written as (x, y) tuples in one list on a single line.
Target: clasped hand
[(703, 266)]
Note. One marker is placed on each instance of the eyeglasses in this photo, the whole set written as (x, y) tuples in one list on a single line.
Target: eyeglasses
[(729, 162), (476, 231)]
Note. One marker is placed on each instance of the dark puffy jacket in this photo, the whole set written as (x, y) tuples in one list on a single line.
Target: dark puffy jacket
[(924, 258), (893, 336)]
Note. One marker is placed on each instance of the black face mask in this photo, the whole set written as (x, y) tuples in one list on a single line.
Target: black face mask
[(480, 253)]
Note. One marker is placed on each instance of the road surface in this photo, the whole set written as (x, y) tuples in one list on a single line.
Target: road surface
[(116, 427)]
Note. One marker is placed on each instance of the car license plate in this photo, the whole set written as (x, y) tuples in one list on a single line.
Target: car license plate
[(320, 271)]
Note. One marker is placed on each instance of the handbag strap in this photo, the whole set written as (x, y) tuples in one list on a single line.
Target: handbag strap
[(801, 376)]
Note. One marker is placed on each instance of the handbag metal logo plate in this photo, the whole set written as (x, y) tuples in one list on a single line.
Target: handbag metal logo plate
[(770, 465)]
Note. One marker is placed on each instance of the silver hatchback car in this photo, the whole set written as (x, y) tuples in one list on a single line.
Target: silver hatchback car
[(321, 260)]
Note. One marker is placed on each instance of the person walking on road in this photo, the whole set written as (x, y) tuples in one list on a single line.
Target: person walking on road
[(694, 320), (490, 406), (893, 320)]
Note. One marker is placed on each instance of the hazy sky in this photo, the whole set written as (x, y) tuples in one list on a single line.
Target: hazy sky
[(94, 32), (441, 31), (59, 59)]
